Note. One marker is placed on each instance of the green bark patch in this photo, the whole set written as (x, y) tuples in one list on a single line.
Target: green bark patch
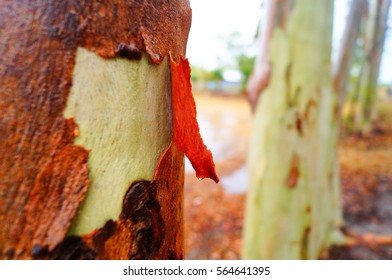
[(123, 111)]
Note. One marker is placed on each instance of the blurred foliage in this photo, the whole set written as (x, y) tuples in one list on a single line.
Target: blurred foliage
[(215, 75), (199, 74), (238, 59), (245, 65), (243, 61)]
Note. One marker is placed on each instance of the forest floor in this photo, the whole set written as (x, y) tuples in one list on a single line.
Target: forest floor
[(214, 212)]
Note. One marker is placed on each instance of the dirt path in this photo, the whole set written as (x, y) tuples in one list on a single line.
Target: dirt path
[(214, 213)]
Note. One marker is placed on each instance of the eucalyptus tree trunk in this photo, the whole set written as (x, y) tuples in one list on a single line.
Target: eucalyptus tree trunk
[(293, 206), (89, 167), (275, 14), (346, 50), (359, 113)]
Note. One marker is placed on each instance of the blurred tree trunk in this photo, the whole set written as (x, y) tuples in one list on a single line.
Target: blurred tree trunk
[(89, 169), (275, 14), (346, 50), (293, 204), (359, 113)]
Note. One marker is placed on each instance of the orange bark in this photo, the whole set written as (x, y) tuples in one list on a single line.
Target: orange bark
[(186, 129)]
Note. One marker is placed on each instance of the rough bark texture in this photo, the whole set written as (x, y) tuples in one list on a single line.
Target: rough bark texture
[(293, 206), (43, 175)]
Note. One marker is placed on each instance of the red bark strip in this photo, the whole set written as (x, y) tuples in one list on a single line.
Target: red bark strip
[(186, 129)]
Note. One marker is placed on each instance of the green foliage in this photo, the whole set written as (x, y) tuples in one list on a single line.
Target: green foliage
[(199, 74), (240, 60), (245, 65), (243, 61), (196, 74), (215, 75)]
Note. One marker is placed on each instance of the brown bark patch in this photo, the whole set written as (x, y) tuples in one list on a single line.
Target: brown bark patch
[(294, 173), (311, 103), (299, 125), (169, 180), (72, 248), (304, 243), (142, 208)]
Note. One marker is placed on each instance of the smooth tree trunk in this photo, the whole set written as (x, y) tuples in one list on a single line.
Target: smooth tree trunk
[(89, 169), (274, 14), (341, 71), (360, 110), (293, 204)]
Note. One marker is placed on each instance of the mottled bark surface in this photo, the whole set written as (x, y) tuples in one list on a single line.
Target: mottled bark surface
[(293, 206), (150, 224), (43, 176)]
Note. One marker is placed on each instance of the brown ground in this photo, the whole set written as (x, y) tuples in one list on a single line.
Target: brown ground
[(214, 217), (366, 178)]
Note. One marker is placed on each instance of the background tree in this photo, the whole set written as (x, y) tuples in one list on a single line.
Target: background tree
[(92, 135), (293, 205), (359, 112), (351, 34), (275, 14)]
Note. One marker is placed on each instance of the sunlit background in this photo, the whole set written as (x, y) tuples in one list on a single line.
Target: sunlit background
[(216, 22)]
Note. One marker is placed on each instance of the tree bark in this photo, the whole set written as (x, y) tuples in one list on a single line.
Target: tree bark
[(293, 206), (275, 14), (90, 169)]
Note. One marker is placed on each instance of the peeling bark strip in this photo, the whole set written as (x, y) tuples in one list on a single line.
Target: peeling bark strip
[(186, 129), (43, 176)]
